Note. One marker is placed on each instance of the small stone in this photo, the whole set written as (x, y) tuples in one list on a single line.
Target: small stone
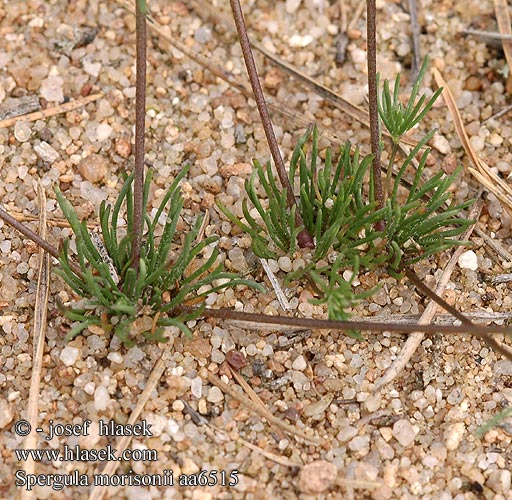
[(317, 409), (236, 359), (273, 79), (285, 264), (69, 355), (292, 6), (22, 131), (441, 143), (317, 477), (299, 41), (477, 143), (499, 481), (93, 168), (103, 132), (6, 414), (92, 194), (189, 466), (503, 368), (51, 88), (123, 147), (453, 435), (473, 83), (468, 260), (101, 398), (360, 443), (46, 152), (215, 395), (346, 434), (404, 432), (196, 387), (237, 169), (91, 68), (199, 348), (299, 363), (373, 403)]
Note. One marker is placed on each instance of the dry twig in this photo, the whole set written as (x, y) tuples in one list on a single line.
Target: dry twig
[(414, 340), (40, 314), (56, 110)]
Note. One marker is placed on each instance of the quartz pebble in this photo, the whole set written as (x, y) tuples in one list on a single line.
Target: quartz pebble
[(292, 6), (503, 368), (101, 398), (103, 132), (215, 395), (93, 168), (6, 414), (299, 363), (317, 477), (46, 152), (453, 435), (404, 432), (468, 260), (22, 131), (51, 88), (440, 143), (499, 481), (69, 355), (196, 387)]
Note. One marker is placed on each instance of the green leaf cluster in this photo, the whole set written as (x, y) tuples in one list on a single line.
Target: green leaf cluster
[(116, 294), (338, 207)]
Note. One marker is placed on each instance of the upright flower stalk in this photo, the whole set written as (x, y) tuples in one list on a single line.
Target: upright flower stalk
[(140, 117)]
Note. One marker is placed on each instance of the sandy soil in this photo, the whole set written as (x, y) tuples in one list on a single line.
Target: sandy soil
[(413, 439)]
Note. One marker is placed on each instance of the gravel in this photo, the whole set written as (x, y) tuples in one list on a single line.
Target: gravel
[(415, 438)]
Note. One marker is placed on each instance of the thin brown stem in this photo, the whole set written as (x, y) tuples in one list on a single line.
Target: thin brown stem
[(25, 231), (304, 239), (371, 26), (140, 117), (491, 342), (328, 324)]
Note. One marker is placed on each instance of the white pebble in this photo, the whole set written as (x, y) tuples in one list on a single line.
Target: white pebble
[(453, 435), (5, 246), (46, 152), (22, 131), (196, 387), (103, 131), (441, 143), (346, 434), (300, 41), (499, 481), (404, 432), (101, 398), (51, 88), (299, 363), (69, 355), (292, 6), (285, 264), (115, 357), (92, 69), (468, 260), (215, 395), (359, 443), (477, 143)]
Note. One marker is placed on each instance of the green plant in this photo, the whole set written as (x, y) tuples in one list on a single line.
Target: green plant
[(399, 118), (343, 215), (115, 293)]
